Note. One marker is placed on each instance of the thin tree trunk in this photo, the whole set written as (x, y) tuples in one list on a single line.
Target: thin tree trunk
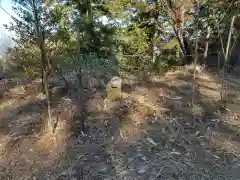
[(226, 56), (40, 43), (45, 64), (154, 47), (189, 55), (42, 77), (78, 37), (196, 56), (218, 59), (81, 100), (179, 37), (207, 44), (229, 38), (178, 21)]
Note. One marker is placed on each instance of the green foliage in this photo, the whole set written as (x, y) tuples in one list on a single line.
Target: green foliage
[(161, 65), (83, 61), (25, 58), (174, 47), (1, 65), (136, 40), (59, 14), (131, 31), (29, 72), (172, 44), (135, 63)]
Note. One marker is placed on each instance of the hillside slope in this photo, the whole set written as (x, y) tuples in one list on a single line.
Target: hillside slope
[(147, 132)]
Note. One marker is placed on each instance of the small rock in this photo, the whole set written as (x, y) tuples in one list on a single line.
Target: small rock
[(103, 168), (115, 82), (142, 169)]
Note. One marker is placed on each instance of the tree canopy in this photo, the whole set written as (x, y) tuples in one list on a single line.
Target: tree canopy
[(161, 31)]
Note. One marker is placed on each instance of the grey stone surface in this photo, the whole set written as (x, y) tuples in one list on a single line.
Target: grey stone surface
[(115, 82)]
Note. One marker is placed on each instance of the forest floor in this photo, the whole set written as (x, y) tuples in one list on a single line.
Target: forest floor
[(149, 132)]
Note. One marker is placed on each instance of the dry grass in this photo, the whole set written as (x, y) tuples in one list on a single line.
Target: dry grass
[(148, 131)]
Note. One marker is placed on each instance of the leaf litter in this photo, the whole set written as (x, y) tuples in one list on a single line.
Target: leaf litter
[(130, 145)]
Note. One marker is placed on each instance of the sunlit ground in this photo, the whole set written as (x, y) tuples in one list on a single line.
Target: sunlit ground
[(147, 131)]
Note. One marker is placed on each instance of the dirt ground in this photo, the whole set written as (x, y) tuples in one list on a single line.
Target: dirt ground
[(148, 132)]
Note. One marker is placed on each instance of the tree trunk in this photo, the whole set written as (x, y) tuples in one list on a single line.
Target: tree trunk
[(188, 48), (82, 101), (78, 37), (45, 64), (155, 49), (178, 20), (185, 47), (195, 58), (207, 44), (40, 42)]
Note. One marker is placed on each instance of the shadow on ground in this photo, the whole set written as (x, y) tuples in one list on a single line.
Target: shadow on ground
[(150, 131)]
